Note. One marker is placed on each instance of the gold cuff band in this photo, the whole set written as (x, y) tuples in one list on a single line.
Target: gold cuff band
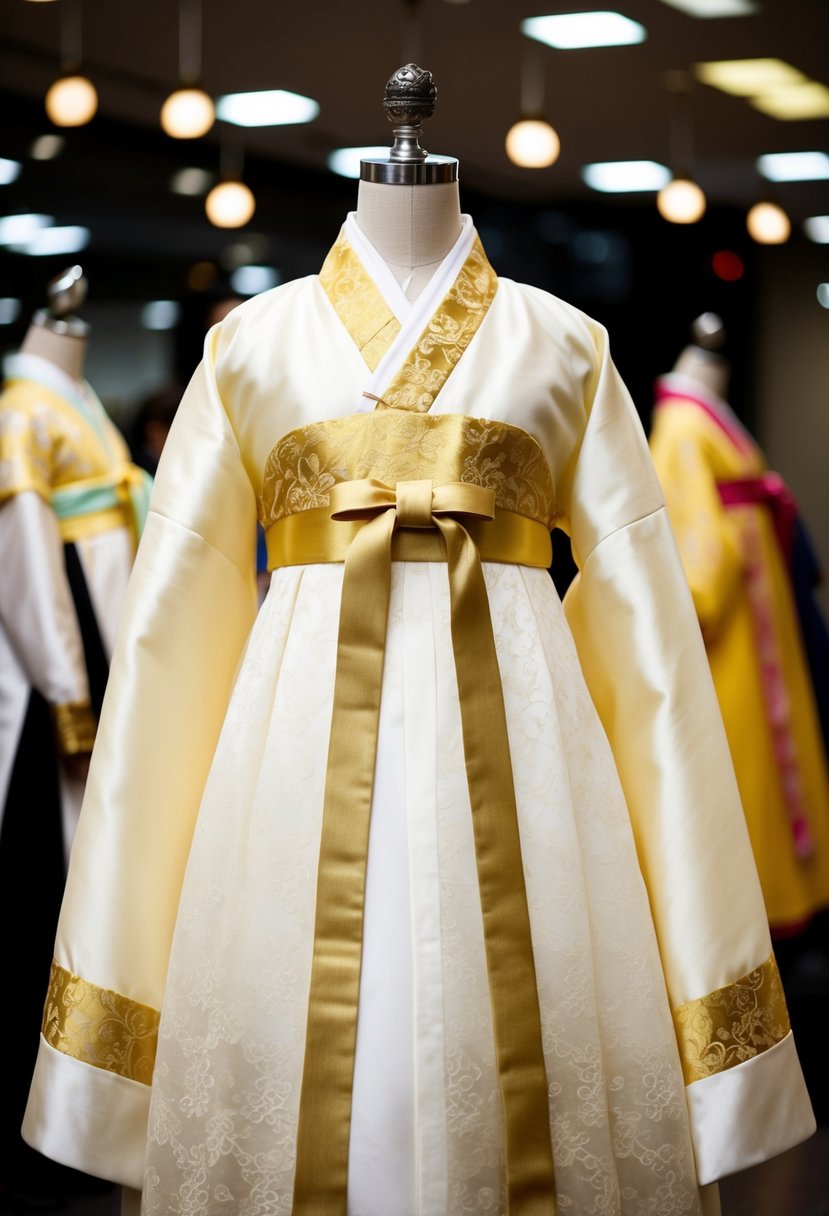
[(100, 1027), (732, 1024), (75, 727)]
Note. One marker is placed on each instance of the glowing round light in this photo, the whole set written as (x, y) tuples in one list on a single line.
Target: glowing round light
[(47, 147), (201, 276), (532, 144), (187, 114), (229, 205), (71, 101), (823, 295), (727, 265), (768, 224), (681, 202)]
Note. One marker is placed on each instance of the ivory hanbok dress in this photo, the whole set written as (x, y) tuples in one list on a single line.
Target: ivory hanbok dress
[(551, 987)]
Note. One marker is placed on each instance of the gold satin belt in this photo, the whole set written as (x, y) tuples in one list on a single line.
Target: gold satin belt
[(368, 525), (312, 536)]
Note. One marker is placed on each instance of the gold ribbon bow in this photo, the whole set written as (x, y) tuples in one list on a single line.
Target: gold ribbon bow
[(321, 1181)]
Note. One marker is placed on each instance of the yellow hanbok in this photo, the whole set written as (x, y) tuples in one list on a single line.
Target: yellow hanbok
[(729, 515)]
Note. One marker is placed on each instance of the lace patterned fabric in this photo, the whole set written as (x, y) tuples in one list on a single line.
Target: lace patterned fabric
[(231, 1042)]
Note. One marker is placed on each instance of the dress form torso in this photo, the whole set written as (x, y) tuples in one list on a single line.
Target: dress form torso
[(66, 351), (411, 227), (708, 369)]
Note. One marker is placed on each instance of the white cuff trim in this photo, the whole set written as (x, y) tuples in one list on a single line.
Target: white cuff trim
[(749, 1113), (87, 1118)]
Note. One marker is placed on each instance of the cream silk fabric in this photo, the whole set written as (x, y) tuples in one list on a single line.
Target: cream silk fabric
[(192, 885)]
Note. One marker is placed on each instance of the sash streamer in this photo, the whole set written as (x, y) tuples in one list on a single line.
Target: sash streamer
[(321, 1180)]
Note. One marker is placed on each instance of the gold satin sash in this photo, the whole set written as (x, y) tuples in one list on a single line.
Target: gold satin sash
[(321, 1181)]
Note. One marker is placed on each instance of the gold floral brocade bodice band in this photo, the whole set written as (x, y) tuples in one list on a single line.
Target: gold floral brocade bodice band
[(732, 1024), (398, 445), (100, 1027)]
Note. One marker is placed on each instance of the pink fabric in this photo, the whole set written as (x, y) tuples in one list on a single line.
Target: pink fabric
[(665, 393), (767, 489)]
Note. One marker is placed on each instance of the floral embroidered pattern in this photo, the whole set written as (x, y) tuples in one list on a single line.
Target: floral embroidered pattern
[(357, 302), (732, 1024), (45, 443), (100, 1027), (446, 336), (396, 445)]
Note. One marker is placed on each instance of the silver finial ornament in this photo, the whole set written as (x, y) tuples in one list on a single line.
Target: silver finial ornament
[(65, 293), (708, 331), (409, 98)]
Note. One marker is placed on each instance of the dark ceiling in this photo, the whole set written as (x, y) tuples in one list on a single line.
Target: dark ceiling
[(608, 104), (611, 255), (540, 226)]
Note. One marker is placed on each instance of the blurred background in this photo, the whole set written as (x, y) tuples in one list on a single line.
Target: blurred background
[(675, 97), (648, 165)]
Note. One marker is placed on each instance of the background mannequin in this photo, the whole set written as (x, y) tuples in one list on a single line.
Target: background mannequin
[(65, 569), (701, 362), (735, 524), (50, 336)]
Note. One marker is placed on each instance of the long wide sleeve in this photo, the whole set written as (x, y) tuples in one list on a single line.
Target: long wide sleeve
[(642, 654), (189, 609), (39, 618)]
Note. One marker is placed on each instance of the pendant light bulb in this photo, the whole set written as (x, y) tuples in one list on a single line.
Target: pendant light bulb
[(768, 224), (532, 143), (188, 113), (71, 101), (229, 205), (681, 201)]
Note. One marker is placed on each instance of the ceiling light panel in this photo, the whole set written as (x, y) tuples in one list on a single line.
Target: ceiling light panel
[(268, 108), (191, 180), (794, 166), (9, 310), (16, 229), (251, 280), (49, 242), (748, 77), (816, 228), (794, 102), (9, 171), (708, 9), (626, 176), (575, 31), (346, 161)]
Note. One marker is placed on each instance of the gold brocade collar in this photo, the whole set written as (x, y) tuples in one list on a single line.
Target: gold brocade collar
[(373, 327)]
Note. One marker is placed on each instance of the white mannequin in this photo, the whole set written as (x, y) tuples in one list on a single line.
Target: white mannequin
[(708, 369), (65, 350), (411, 227)]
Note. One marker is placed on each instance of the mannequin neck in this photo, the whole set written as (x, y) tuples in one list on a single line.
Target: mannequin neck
[(709, 370), (411, 227), (65, 351)]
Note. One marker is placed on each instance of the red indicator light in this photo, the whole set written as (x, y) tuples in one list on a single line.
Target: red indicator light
[(727, 266)]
